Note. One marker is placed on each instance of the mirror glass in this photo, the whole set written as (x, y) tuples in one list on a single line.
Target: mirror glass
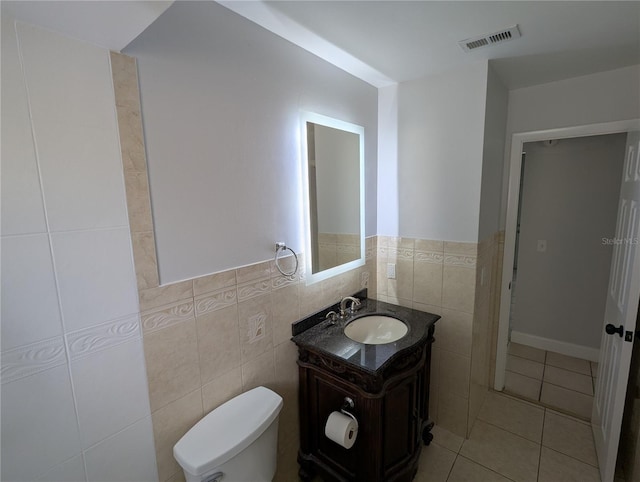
[(333, 166)]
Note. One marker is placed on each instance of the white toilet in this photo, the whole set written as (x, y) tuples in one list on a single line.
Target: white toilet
[(236, 442)]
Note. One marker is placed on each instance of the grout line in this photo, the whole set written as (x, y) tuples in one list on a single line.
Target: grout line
[(571, 457), (544, 416), (569, 370), (570, 389), (488, 468), (518, 399), (510, 432), (451, 468), (525, 358), (544, 369), (54, 268)]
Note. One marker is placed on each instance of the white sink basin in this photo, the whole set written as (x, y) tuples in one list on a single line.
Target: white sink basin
[(376, 329)]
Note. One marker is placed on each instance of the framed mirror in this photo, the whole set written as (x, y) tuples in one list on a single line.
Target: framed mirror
[(333, 177)]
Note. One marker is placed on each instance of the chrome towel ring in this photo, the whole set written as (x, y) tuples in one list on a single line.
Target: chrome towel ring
[(283, 247)]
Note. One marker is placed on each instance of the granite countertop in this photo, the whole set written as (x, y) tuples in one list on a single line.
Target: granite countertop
[(316, 333)]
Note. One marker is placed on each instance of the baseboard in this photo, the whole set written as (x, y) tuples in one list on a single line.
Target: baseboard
[(569, 349)]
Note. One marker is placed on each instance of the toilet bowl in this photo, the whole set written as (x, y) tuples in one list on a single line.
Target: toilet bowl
[(236, 442)]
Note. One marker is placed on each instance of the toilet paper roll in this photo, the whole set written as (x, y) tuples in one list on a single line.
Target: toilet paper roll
[(342, 429)]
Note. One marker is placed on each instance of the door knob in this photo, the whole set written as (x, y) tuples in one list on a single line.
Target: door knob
[(610, 329)]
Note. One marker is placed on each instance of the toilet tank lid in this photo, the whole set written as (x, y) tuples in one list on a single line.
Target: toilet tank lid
[(227, 430)]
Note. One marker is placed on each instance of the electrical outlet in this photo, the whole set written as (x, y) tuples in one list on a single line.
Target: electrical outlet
[(391, 270), (542, 246)]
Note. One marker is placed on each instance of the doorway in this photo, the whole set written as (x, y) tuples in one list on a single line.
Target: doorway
[(623, 293), (568, 202), (517, 148)]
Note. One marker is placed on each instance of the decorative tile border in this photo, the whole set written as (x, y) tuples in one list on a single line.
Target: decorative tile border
[(283, 281), (33, 358), (460, 260), (90, 340), (155, 320), (215, 301), (400, 253), (253, 289), (432, 257), (345, 248)]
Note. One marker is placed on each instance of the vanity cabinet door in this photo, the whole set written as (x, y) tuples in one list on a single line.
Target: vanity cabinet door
[(400, 417)]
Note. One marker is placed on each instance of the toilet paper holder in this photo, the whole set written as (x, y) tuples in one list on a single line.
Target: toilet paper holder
[(348, 404)]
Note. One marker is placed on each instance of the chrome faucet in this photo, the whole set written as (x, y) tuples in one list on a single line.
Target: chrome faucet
[(355, 305)]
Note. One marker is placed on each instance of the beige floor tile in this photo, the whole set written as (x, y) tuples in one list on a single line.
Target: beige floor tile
[(522, 386), (510, 455), (446, 439), (514, 416), (569, 436), (556, 467), (465, 470), (568, 379), (435, 464), (453, 412), (524, 351), (594, 369), (524, 366), (568, 363), (570, 401)]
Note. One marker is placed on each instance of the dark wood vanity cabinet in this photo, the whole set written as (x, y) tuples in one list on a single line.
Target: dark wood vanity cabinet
[(391, 406)]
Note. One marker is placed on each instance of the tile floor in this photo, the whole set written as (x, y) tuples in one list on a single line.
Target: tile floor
[(513, 440), (558, 381)]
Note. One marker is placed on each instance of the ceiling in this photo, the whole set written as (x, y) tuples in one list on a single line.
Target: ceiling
[(394, 41), (109, 24)]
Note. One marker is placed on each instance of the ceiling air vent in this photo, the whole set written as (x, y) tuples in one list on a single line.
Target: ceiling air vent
[(494, 38)]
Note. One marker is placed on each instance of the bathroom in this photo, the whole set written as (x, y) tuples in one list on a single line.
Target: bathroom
[(101, 379)]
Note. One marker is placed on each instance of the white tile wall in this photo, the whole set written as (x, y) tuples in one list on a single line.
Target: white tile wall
[(39, 427), (74, 384), (69, 82), (127, 456), (95, 276), (71, 470), (81, 176), (73, 111), (111, 390), (29, 299), (22, 210)]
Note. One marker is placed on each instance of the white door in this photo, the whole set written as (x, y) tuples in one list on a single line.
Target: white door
[(620, 317)]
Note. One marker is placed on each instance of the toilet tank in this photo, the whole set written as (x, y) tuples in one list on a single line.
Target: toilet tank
[(238, 439)]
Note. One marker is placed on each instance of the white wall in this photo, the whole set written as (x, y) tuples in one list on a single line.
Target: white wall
[(388, 161), (440, 141), (221, 102), (570, 199), (74, 390), (495, 124), (603, 97)]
